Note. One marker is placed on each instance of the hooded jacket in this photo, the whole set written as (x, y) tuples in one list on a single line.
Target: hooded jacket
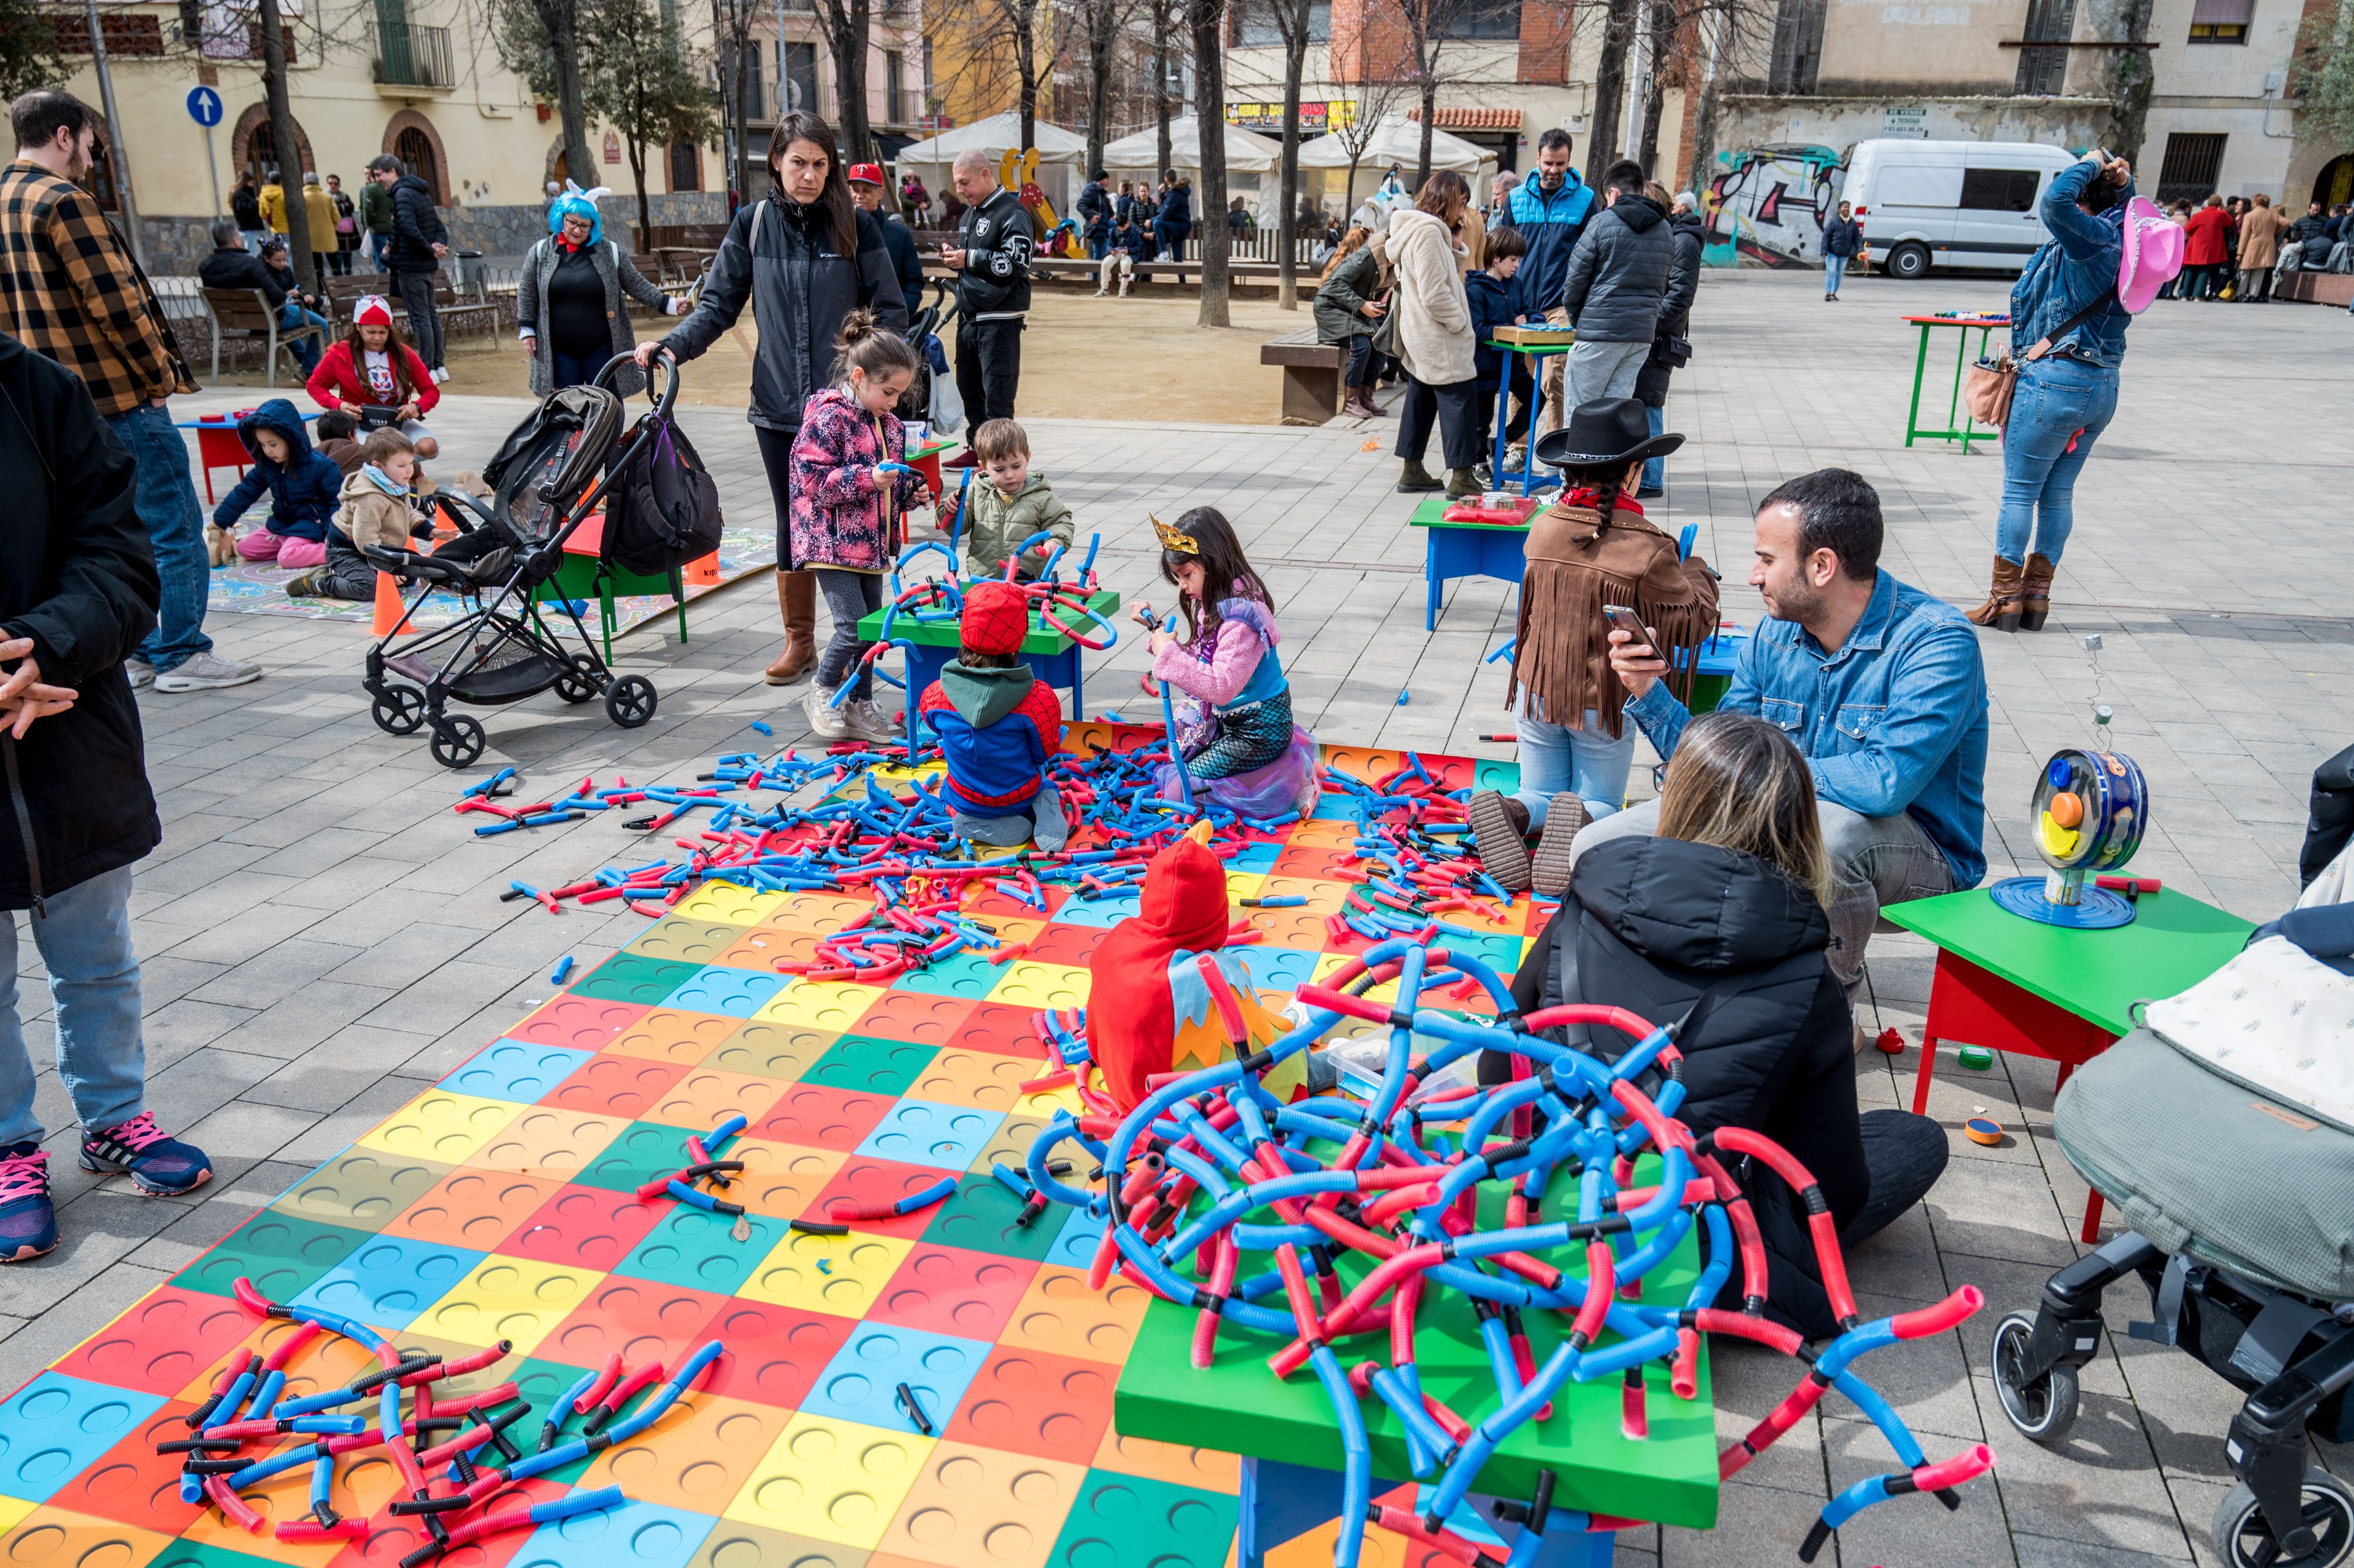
[(415, 228), (1342, 298), (994, 524), (1131, 1018), (997, 728), (1689, 236), (234, 267), (77, 576), (366, 514), (1551, 222), (1433, 318), (1651, 923), (302, 494), (838, 516), (779, 257), (1619, 273), (1494, 302)]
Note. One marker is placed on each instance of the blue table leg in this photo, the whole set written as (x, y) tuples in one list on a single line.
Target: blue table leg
[(1503, 412), (1431, 577), (1281, 1502), (1537, 419)]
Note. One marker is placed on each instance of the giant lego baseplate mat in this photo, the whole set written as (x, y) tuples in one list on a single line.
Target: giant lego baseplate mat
[(501, 1205)]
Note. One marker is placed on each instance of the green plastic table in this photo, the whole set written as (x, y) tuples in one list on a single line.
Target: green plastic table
[(2012, 984), (1291, 1448), (1538, 352), (1451, 550), (1968, 430), (585, 574), (1052, 657)]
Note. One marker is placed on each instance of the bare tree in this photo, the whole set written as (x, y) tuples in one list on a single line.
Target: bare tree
[(845, 26), (1102, 23), (540, 41), (1661, 47), (733, 40), (1206, 20), (1292, 19), (1609, 88), (1427, 24), (1370, 103), (288, 149), (644, 83), (1167, 16)]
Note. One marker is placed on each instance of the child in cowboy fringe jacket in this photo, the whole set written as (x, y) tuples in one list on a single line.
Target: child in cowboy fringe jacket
[(852, 488)]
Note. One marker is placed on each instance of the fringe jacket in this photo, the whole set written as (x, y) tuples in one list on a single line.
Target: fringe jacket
[(1576, 565)]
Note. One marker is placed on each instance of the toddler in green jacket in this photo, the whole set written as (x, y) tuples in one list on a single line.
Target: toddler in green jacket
[(1008, 504)]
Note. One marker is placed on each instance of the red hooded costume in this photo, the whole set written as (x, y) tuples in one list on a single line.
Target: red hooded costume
[(1131, 1020)]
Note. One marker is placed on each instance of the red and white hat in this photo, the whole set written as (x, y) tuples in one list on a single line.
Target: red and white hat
[(371, 310), (866, 174)]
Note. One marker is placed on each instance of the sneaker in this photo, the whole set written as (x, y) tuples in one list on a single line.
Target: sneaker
[(441, 374), (1500, 826), (28, 1220), (205, 672), (829, 722), (142, 673), (1549, 867), (161, 1166), (306, 585), (869, 722)]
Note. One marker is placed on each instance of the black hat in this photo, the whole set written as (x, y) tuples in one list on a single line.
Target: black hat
[(1607, 430)]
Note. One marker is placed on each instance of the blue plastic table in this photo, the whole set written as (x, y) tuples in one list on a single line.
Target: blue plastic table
[(1530, 483), (1451, 550)]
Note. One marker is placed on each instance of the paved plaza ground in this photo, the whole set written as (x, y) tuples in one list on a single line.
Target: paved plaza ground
[(322, 937)]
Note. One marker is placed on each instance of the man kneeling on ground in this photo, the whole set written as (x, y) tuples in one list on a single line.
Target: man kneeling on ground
[(1881, 686)]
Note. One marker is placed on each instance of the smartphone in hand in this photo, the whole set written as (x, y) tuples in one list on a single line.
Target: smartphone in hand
[(1627, 621)]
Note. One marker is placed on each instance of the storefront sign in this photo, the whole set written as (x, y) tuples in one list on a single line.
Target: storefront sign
[(1315, 118)]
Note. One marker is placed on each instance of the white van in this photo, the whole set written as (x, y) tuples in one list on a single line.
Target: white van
[(1950, 204)]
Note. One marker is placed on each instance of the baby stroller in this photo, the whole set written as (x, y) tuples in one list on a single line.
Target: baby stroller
[(549, 475), (2244, 1229)]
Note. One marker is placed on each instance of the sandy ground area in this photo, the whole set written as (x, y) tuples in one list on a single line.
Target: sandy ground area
[(1082, 358)]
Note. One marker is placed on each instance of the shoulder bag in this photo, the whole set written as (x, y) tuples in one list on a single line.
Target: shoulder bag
[(1988, 385)]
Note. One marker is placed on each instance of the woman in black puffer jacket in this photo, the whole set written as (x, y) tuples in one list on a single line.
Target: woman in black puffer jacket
[(1730, 894), (803, 258)]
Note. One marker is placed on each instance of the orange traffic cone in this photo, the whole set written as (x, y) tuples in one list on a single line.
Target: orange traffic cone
[(387, 605), (703, 570)]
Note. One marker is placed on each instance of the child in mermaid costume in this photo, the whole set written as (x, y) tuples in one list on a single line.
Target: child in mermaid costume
[(1235, 730)]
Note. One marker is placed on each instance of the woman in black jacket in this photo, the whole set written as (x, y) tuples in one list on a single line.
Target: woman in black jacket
[(1728, 900), (804, 258)]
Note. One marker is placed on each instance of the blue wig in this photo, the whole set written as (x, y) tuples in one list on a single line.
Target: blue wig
[(571, 201)]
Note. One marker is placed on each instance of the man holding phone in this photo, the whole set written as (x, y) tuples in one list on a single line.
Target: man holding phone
[(991, 261), (1879, 684)]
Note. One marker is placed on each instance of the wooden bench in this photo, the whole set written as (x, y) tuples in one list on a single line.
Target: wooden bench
[(1311, 374), (2317, 288), (245, 315), (476, 313)]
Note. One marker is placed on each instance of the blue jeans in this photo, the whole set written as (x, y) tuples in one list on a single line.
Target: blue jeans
[(1834, 273), (1655, 470), (2056, 399), (1098, 246), (166, 501), (1585, 761), (574, 369), (85, 941), (309, 347)]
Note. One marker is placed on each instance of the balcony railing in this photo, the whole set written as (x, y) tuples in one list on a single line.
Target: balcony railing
[(411, 55), (763, 103)]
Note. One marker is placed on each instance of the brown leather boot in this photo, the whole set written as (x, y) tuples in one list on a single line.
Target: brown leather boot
[(2035, 593), (2002, 610), (1501, 826), (797, 597)]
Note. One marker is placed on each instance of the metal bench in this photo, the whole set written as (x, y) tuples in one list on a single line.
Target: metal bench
[(1311, 374), (245, 315)]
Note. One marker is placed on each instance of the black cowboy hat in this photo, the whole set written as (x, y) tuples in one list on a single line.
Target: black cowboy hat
[(1607, 430)]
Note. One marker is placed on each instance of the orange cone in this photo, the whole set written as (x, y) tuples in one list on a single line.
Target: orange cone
[(704, 570), (387, 605)]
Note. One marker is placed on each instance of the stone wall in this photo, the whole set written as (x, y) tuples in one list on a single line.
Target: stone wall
[(176, 245)]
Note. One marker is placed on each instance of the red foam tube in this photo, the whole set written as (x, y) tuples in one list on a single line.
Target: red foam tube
[(1741, 1325), (1683, 1371), (1762, 1437), (1936, 1320), (1403, 1307), (1627, 1024), (234, 1508), (465, 1442), (460, 1367), (300, 1529), (606, 1376), (302, 1335), (1344, 1004), (1634, 1418), (1403, 1521), (1968, 1465), (248, 1298), (1222, 1280), (1745, 1228), (1601, 1282)]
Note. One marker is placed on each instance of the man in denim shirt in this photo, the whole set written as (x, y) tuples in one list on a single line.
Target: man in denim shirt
[(1880, 686)]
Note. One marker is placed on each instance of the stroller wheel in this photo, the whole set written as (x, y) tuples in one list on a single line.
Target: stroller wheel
[(583, 682), (630, 701), (399, 711), (458, 740), (2042, 1410), (2244, 1539)]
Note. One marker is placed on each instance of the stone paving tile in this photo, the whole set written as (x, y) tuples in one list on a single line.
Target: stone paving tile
[(296, 833)]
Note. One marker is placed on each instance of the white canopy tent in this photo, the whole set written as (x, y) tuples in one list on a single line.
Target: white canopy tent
[(1396, 141), (1245, 151), (1060, 154)]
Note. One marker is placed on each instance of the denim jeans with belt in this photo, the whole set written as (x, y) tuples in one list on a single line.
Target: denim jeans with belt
[(85, 942), (166, 501), (1587, 762), (2057, 398)]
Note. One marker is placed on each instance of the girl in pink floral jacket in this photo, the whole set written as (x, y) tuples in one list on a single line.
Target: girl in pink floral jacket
[(851, 493)]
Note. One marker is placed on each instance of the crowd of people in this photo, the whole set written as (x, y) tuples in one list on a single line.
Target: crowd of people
[(2238, 248)]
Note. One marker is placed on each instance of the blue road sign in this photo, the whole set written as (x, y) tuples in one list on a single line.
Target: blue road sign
[(205, 106)]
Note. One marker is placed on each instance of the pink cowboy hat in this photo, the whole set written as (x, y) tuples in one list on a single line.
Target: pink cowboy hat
[(2153, 254)]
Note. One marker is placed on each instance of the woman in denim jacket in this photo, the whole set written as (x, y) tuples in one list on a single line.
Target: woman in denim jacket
[(2066, 397)]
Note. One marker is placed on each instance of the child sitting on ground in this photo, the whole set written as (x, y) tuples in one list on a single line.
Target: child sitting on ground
[(998, 724), (1236, 732), (300, 483), (377, 508), (338, 436), (1010, 505), (851, 489)]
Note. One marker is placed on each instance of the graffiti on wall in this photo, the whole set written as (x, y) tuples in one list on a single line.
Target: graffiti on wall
[(1770, 204)]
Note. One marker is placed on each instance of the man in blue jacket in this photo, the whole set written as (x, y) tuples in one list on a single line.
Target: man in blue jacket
[(1881, 686), (1551, 210)]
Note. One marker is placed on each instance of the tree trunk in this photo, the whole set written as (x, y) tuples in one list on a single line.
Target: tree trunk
[(560, 20), (1703, 152), (1208, 19), (645, 206), (289, 148), (1429, 115), (1025, 17), (1287, 230), (2135, 83), (731, 63), (1609, 90), (1102, 31), (1655, 98), (847, 44), (1160, 19)]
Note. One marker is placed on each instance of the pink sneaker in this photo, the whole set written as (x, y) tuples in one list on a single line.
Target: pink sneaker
[(28, 1222)]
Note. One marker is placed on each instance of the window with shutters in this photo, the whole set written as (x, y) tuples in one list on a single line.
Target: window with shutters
[(1796, 55), (2042, 71), (2222, 21)]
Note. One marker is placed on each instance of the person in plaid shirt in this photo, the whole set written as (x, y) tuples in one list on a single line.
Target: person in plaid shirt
[(70, 289)]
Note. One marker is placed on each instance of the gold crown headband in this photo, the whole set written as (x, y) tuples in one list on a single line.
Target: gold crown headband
[(1173, 541)]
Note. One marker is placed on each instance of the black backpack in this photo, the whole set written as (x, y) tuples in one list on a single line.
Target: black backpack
[(664, 510)]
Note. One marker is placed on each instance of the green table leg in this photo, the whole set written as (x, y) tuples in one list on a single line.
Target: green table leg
[(1920, 368)]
